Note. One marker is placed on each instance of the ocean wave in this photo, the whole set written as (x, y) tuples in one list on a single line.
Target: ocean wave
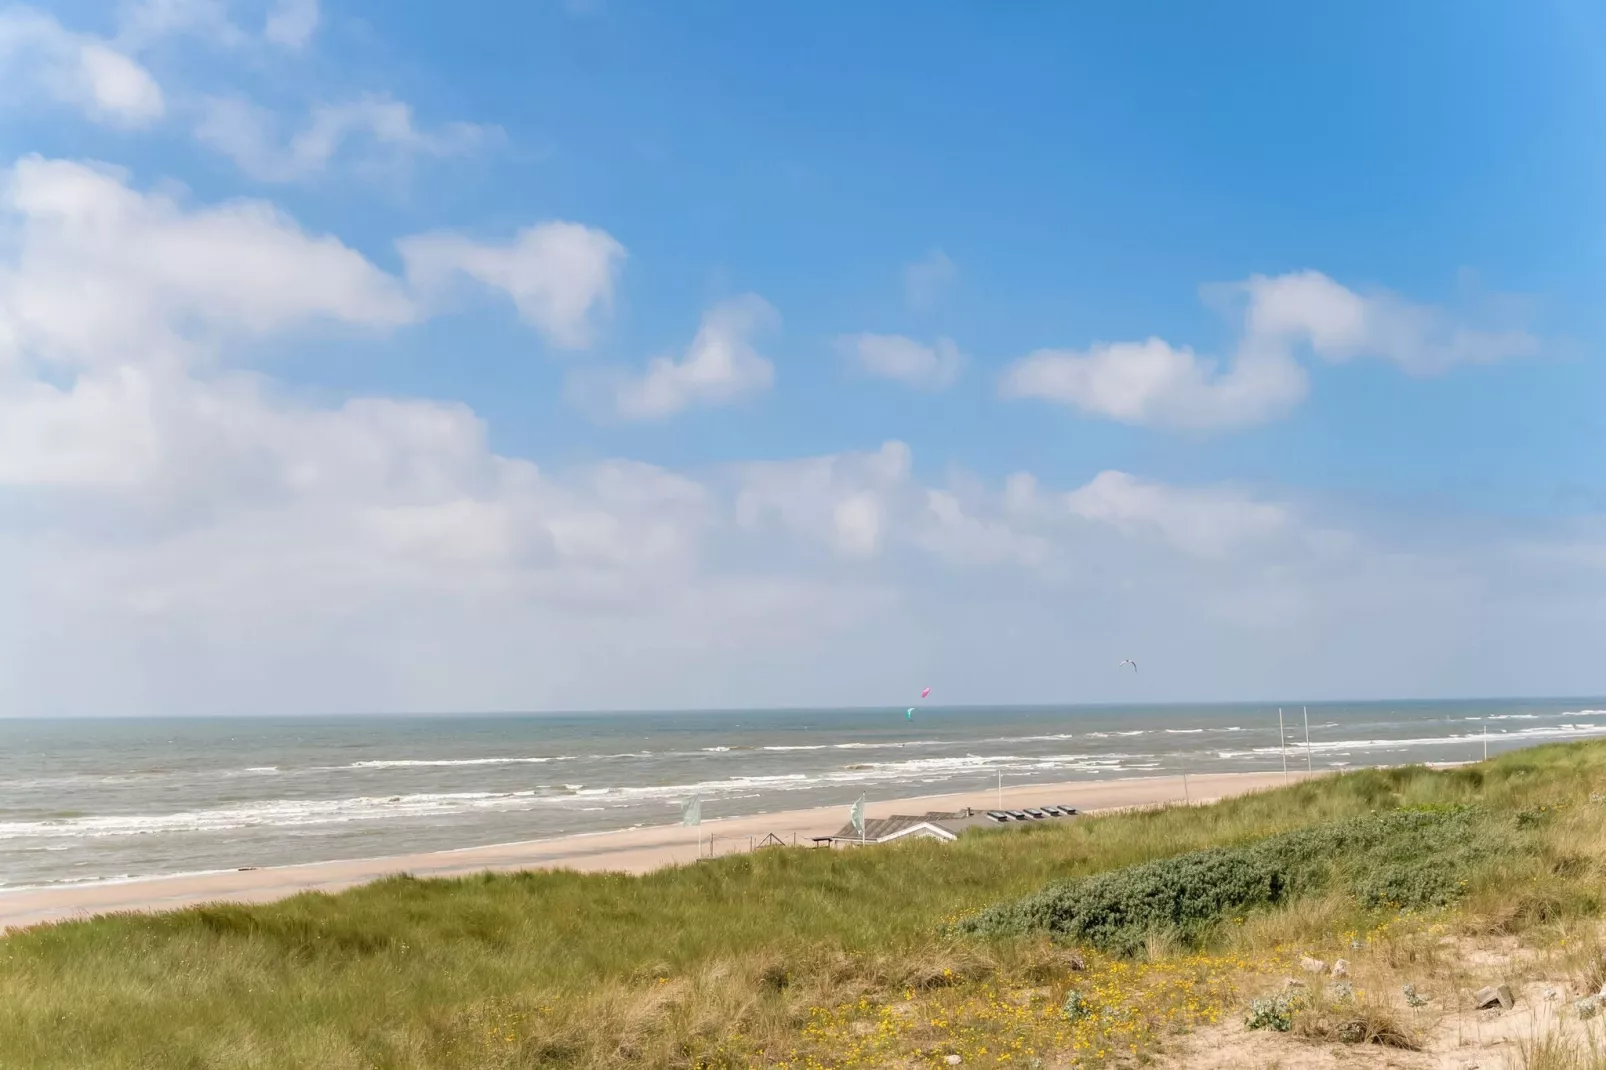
[(1328, 746), (274, 813), (890, 744), (418, 763), (1033, 739), (93, 780), (922, 770), (917, 767)]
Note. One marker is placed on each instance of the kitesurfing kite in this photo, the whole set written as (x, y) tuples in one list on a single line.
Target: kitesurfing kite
[(909, 714), (926, 693), (1127, 662)]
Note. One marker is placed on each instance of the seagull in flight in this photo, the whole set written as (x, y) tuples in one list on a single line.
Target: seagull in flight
[(1127, 662)]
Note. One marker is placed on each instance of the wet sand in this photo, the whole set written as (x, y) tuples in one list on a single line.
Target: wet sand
[(623, 851)]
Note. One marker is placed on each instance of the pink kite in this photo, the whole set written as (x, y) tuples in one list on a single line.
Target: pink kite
[(926, 693)]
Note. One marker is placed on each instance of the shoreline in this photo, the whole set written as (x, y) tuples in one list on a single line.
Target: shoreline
[(634, 850)]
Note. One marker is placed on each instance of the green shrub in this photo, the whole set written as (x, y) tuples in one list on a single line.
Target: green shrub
[(1413, 857), (1272, 1012)]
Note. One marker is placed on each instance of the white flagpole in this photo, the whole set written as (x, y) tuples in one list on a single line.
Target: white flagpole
[(1308, 768), (1486, 739), (1282, 743), (1000, 789), (692, 814)]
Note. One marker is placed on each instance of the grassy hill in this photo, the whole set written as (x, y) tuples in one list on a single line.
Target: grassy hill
[(1159, 922)]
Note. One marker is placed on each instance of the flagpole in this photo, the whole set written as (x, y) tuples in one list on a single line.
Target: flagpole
[(1308, 766), (691, 813), (1282, 743)]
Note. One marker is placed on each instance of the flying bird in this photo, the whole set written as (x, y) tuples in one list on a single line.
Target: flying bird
[(1127, 662)]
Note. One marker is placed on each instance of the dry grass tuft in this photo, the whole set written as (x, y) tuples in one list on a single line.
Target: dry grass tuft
[(1556, 1051), (1586, 961), (1356, 1022)]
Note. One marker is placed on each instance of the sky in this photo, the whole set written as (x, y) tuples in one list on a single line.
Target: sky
[(611, 354)]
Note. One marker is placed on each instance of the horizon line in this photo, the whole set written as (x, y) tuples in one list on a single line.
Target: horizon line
[(670, 711)]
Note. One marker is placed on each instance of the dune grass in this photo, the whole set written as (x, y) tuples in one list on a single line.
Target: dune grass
[(779, 957)]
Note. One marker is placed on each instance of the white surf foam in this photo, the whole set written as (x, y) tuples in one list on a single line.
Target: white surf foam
[(421, 763), (1563, 731)]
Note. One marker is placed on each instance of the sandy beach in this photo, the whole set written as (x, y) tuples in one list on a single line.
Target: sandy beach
[(623, 851)]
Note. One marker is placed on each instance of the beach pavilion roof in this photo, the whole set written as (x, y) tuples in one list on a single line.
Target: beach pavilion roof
[(932, 825)]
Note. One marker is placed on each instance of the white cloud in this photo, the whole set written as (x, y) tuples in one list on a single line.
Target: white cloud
[(37, 53), (1154, 383), (377, 131), (1210, 522), (142, 23), (1151, 383), (377, 491), (152, 491), (904, 360), (965, 535), (559, 275), (843, 500), (1339, 325), (222, 546), (291, 23), (102, 273), (867, 504), (718, 368), (288, 24), (925, 280), (145, 480)]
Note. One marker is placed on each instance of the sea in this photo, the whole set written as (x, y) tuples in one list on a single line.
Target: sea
[(99, 800)]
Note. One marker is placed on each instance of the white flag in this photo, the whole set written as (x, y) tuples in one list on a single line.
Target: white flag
[(858, 817), (692, 813)]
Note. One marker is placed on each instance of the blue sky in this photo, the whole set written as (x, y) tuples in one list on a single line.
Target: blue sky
[(1360, 455)]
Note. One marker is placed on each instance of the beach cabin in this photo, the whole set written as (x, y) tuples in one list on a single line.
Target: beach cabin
[(944, 827)]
